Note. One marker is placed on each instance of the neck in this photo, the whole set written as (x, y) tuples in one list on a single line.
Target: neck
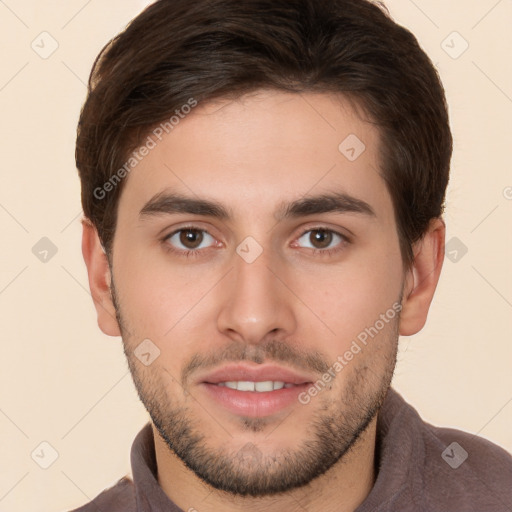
[(342, 488)]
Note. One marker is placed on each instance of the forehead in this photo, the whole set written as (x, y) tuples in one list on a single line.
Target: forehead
[(261, 151)]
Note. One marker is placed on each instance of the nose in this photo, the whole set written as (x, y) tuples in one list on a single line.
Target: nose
[(255, 304)]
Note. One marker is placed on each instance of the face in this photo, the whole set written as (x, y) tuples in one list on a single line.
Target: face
[(269, 287)]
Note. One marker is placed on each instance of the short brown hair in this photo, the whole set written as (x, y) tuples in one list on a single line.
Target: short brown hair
[(176, 50)]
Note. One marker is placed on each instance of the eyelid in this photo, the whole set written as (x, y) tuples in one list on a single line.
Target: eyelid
[(192, 224), (345, 239), (329, 250), (314, 227), (190, 227), (338, 230)]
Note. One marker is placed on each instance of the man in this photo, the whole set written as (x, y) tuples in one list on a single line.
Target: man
[(263, 186)]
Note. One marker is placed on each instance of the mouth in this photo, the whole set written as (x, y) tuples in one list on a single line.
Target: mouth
[(254, 391), (258, 387)]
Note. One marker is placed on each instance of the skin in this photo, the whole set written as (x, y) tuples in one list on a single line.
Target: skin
[(290, 306)]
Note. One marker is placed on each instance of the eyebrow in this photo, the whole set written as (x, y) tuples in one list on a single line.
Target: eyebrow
[(167, 203)]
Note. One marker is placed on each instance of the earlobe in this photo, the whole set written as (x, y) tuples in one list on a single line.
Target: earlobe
[(99, 279), (422, 278)]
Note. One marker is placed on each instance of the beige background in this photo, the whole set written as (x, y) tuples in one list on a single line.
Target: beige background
[(64, 382)]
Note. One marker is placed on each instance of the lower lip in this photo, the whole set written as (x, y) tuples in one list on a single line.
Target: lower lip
[(254, 404)]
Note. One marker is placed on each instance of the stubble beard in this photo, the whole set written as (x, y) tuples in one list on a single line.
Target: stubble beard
[(336, 425)]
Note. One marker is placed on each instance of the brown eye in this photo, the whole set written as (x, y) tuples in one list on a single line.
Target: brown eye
[(320, 238), (191, 238)]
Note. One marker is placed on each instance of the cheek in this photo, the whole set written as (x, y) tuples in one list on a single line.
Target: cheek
[(351, 297), (155, 296)]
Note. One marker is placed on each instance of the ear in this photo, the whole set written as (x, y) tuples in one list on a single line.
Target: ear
[(422, 278), (99, 279)]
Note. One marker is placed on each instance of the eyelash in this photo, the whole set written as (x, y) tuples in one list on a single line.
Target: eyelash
[(195, 253)]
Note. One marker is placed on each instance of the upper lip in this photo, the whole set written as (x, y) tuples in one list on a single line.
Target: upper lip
[(259, 373)]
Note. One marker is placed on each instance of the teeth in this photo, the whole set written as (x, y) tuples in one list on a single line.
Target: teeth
[(264, 386), (244, 385)]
